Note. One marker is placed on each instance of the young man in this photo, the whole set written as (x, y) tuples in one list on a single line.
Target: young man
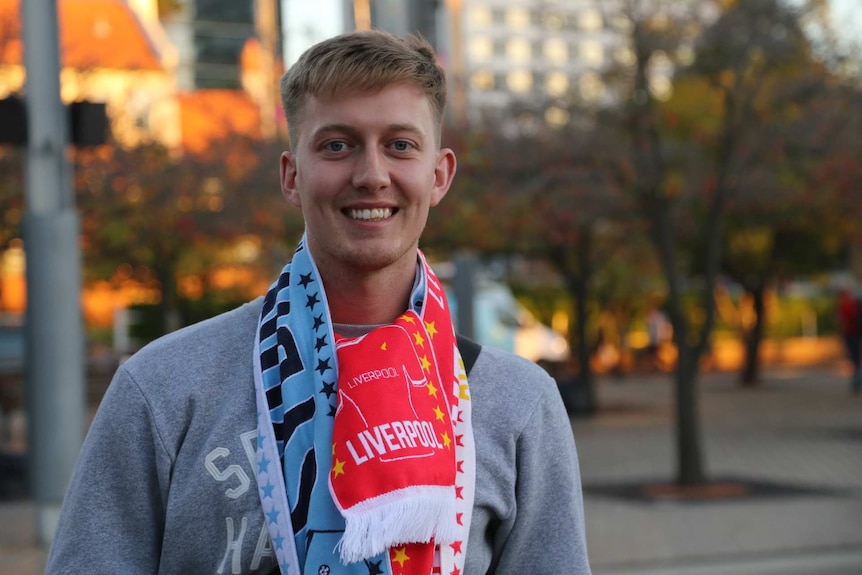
[(330, 426)]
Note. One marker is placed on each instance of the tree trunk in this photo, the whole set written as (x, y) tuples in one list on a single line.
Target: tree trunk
[(750, 375), (582, 291), (689, 457), (576, 270), (169, 311), (585, 373)]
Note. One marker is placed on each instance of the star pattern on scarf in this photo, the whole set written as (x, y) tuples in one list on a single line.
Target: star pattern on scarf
[(374, 567), (420, 341), (266, 490), (328, 388), (400, 556), (323, 365), (311, 301), (438, 413), (305, 279), (321, 343), (337, 468)]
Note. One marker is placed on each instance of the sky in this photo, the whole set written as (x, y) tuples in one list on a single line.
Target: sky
[(304, 27), (847, 16)]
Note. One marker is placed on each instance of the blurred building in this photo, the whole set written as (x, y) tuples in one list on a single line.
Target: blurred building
[(527, 63), (211, 35), (225, 50), (159, 72), (108, 54), (543, 54)]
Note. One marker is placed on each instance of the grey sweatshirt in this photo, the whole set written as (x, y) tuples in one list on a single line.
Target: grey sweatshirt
[(165, 481)]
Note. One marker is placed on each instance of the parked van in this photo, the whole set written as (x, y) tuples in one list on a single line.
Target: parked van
[(501, 321)]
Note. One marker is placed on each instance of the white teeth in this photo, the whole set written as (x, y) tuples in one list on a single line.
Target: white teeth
[(373, 214)]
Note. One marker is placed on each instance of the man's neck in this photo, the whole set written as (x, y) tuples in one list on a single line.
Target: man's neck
[(368, 298)]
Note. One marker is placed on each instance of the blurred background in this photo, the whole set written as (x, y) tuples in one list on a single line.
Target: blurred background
[(657, 201)]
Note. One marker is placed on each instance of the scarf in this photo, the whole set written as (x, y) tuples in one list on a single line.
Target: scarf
[(365, 461)]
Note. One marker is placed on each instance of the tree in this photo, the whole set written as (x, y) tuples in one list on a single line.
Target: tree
[(687, 155), (11, 194), (543, 195), (774, 121), (167, 216)]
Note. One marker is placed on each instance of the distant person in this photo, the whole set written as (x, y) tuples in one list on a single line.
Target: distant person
[(659, 332), (850, 323), (331, 426)]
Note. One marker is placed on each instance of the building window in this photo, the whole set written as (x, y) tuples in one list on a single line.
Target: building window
[(590, 20), (481, 49), (661, 87), (553, 20), (592, 53), (481, 17), (556, 84), (624, 55), (518, 49), (519, 81), (622, 23), (482, 80), (518, 18), (556, 51), (556, 117), (591, 87)]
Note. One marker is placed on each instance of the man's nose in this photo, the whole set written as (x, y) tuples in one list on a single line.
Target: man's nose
[(371, 172)]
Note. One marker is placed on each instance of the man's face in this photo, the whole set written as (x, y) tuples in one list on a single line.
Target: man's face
[(365, 171)]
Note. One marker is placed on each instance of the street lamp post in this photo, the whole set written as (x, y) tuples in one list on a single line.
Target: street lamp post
[(55, 349)]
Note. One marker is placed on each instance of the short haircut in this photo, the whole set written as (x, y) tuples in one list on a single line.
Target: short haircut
[(365, 61)]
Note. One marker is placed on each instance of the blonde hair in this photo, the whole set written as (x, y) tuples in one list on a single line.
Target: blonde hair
[(366, 61)]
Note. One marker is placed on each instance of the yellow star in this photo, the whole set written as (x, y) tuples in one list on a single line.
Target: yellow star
[(426, 365), (420, 341), (446, 440), (338, 468), (407, 318), (383, 346), (333, 448), (439, 413), (400, 556), (432, 391), (431, 328)]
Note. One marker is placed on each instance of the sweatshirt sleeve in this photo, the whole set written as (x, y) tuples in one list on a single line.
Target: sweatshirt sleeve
[(112, 518), (547, 532)]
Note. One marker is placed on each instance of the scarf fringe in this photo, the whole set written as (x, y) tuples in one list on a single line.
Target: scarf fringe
[(389, 520)]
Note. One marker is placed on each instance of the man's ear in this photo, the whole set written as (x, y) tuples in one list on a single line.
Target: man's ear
[(288, 178), (444, 172)]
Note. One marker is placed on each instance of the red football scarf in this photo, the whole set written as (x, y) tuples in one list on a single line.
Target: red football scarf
[(400, 440)]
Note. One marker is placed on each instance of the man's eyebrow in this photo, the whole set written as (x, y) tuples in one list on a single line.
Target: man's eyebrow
[(352, 130), (405, 128)]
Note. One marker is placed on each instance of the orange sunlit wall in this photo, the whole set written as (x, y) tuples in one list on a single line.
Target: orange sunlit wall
[(98, 299)]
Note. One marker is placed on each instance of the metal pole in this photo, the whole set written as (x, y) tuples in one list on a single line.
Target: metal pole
[(464, 289), (55, 349)]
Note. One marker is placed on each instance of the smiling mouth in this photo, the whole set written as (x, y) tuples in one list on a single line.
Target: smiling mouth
[(370, 215)]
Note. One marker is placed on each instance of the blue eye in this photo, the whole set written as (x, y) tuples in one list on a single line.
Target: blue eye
[(336, 146), (402, 145)]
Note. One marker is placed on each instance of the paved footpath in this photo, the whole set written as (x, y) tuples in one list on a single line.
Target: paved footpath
[(797, 438)]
